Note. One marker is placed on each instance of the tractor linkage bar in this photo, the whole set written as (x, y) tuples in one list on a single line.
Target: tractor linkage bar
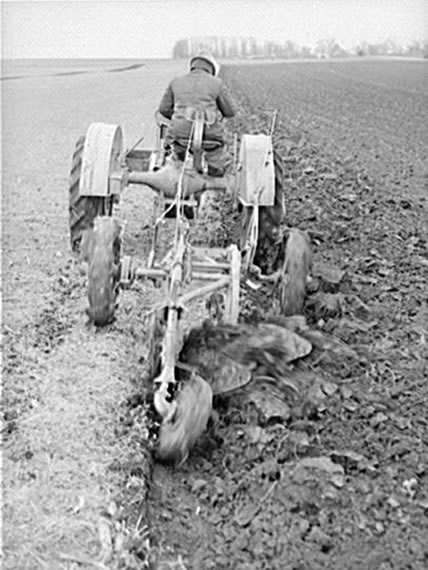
[(120, 179)]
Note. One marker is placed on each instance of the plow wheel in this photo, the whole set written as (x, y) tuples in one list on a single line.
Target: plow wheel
[(295, 271), (83, 209), (101, 250)]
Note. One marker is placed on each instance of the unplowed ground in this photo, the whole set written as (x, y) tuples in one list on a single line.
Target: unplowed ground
[(343, 483)]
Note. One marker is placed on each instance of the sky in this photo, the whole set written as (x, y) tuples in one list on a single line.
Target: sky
[(149, 28)]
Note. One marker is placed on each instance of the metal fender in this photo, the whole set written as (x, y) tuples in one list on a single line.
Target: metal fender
[(256, 172), (102, 154)]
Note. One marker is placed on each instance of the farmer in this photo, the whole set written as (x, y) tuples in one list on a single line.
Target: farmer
[(199, 89)]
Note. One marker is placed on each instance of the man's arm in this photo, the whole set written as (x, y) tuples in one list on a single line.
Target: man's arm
[(166, 106), (225, 102)]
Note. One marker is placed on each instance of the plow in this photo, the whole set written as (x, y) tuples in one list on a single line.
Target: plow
[(101, 172)]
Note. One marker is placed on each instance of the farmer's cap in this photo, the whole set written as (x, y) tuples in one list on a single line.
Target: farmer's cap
[(205, 58)]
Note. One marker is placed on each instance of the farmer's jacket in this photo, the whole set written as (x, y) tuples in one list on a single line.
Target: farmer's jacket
[(198, 89)]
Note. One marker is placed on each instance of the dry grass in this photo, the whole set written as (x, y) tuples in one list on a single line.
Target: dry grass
[(56, 472), (63, 393)]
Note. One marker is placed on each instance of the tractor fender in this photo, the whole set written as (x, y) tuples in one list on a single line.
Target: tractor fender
[(256, 172), (102, 155)]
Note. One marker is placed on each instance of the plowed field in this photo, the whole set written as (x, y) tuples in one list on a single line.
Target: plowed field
[(343, 482)]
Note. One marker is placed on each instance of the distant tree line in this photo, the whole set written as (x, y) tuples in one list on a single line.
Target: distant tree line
[(252, 48)]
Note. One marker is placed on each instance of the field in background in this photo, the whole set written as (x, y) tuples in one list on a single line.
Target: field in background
[(373, 111), (354, 139)]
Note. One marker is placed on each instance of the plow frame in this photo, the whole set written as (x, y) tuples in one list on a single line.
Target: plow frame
[(182, 266)]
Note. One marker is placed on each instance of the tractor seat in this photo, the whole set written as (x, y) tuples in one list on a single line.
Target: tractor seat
[(200, 118), (207, 145), (195, 115)]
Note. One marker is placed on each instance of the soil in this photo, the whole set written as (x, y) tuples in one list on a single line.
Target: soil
[(342, 481)]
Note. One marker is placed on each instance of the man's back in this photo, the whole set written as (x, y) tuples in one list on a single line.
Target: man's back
[(201, 90)]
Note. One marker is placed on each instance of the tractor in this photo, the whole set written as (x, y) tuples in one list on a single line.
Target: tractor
[(101, 171)]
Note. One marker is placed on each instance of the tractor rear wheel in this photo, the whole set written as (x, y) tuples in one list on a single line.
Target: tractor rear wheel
[(257, 227), (279, 178), (101, 249), (83, 209)]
